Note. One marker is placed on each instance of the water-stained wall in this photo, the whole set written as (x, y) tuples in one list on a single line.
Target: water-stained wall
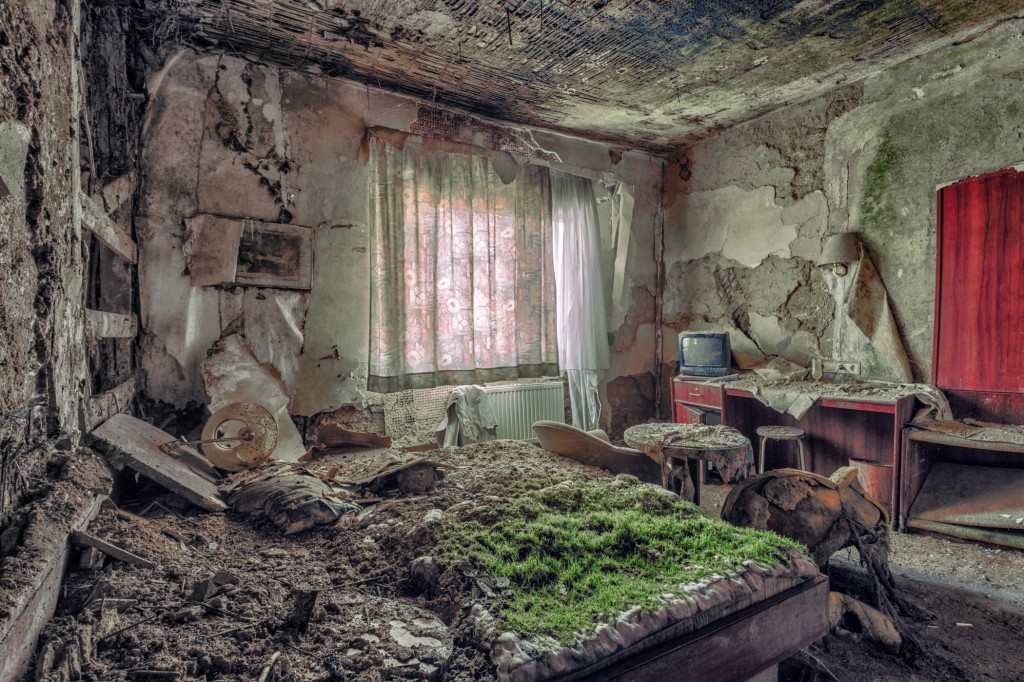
[(747, 210), (231, 138)]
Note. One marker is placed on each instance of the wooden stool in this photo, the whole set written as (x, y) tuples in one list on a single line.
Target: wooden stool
[(781, 433)]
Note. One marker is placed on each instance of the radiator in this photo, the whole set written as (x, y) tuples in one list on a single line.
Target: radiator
[(517, 407)]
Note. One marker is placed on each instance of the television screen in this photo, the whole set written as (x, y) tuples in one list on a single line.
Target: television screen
[(704, 354)]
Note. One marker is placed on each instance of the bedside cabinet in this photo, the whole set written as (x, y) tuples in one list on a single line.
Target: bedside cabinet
[(694, 402)]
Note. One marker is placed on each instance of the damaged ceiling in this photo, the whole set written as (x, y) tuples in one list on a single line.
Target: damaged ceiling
[(646, 74)]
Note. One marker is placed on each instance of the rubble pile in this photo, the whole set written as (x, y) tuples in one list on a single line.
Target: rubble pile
[(368, 589)]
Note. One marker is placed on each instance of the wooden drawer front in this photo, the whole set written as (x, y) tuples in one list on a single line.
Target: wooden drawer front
[(697, 394)]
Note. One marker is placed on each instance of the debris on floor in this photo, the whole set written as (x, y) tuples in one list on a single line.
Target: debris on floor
[(827, 515), (368, 596), (293, 499)]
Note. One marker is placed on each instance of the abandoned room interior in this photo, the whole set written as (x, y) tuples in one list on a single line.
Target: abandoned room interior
[(533, 340)]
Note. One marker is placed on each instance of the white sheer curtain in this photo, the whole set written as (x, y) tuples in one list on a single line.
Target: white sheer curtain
[(582, 329)]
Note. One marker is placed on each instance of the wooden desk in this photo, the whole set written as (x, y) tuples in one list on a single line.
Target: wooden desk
[(841, 431)]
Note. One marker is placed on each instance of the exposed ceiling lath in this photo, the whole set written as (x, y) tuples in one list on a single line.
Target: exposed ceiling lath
[(648, 74)]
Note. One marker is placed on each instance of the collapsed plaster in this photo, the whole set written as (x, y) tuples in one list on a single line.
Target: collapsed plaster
[(866, 158), (228, 140)]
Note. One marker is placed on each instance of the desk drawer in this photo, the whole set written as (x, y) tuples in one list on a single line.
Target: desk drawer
[(696, 393)]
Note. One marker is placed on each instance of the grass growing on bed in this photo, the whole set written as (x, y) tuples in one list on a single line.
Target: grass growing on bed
[(584, 551)]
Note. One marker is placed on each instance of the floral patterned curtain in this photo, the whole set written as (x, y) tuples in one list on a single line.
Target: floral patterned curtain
[(462, 283)]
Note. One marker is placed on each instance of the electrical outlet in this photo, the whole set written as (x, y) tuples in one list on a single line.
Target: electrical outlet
[(841, 367)]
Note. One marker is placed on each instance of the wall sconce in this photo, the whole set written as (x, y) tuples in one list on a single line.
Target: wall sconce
[(839, 250)]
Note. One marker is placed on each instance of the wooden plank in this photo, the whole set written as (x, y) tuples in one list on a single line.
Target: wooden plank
[(138, 445), (86, 540), (33, 605), (113, 236), (862, 405), (103, 325), (733, 648), (102, 407), (925, 436)]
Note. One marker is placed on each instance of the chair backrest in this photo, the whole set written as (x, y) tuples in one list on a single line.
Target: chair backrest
[(568, 441)]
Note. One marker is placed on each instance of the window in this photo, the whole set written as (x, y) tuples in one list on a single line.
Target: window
[(462, 281)]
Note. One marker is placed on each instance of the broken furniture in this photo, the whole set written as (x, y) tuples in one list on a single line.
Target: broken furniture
[(683, 450), (133, 443), (33, 569), (957, 476), (825, 515), (784, 433), (593, 448), (844, 427), (982, 500)]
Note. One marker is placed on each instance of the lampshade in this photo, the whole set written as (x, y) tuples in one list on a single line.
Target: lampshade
[(839, 250)]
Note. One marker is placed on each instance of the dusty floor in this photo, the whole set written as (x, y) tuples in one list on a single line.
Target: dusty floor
[(149, 624)]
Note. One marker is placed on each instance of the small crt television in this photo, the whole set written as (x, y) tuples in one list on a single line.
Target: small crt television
[(704, 354)]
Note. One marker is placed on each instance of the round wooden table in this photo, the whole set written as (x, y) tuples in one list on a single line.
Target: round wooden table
[(683, 450)]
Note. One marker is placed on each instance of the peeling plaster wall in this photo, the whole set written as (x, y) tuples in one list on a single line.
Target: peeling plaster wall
[(42, 360), (231, 137), (746, 211)]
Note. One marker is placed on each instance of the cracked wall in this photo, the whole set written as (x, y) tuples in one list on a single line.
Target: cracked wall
[(747, 210), (41, 320), (229, 137)]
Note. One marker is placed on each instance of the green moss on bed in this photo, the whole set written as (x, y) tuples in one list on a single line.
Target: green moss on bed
[(583, 552)]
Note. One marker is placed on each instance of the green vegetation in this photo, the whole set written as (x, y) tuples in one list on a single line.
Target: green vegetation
[(880, 217), (583, 552)]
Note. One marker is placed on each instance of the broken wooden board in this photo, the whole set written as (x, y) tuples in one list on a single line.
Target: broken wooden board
[(383, 469), (113, 236), (100, 408), (137, 445), (86, 540)]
